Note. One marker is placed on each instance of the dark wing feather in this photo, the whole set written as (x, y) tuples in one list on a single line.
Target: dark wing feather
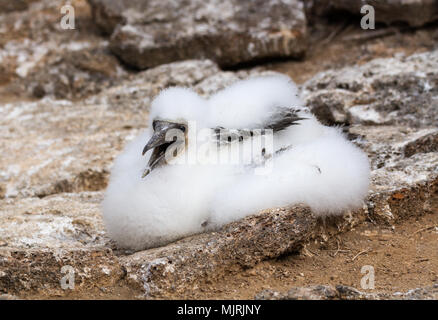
[(282, 118)]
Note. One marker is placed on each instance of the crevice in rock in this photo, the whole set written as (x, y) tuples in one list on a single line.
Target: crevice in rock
[(89, 180)]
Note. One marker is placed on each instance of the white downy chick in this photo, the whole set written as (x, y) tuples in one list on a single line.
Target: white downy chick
[(151, 201)]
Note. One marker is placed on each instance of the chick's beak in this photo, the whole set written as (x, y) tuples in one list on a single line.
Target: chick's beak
[(157, 139), (159, 144)]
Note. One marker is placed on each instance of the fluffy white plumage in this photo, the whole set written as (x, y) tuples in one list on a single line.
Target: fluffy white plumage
[(314, 165)]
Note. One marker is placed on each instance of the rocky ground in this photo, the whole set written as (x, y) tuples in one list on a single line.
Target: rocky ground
[(71, 99)]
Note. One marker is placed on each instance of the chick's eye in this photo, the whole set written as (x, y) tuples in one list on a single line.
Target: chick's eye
[(183, 128)]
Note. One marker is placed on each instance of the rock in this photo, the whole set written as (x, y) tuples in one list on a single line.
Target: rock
[(341, 292), (67, 230), (427, 293), (62, 221), (43, 235), (318, 292), (72, 152), (8, 297), (400, 187), (91, 268), (400, 91), (385, 147), (414, 12), (423, 144), (137, 91), (16, 5), (210, 256), (147, 34), (38, 58), (70, 74), (108, 14)]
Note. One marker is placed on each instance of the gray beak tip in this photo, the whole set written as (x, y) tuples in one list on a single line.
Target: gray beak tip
[(145, 149), (151, 144)]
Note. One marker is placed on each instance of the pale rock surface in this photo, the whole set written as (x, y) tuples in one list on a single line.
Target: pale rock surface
[(400, 90)]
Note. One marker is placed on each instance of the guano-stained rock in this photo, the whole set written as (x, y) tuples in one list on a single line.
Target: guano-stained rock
[(40, 237), (399, 91), (209, 256)]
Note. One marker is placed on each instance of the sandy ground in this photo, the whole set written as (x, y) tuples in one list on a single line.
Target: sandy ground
[(403, 259)]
